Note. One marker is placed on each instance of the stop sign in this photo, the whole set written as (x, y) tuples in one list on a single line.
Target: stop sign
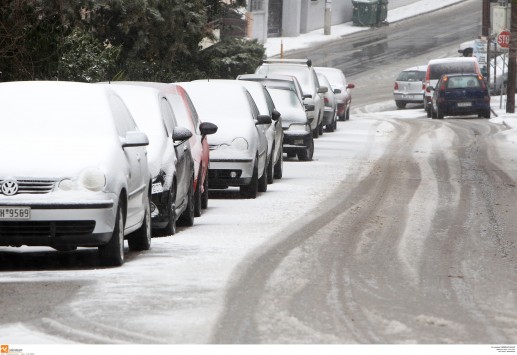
[(503, 39)]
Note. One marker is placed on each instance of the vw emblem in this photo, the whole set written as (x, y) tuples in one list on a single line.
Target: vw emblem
[(9, 187)]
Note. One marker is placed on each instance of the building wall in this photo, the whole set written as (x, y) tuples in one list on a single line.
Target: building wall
[(313, 13)]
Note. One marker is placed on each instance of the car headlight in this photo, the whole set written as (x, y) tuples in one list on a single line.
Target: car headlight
[(91, 179), (240, 143), (299, 127)]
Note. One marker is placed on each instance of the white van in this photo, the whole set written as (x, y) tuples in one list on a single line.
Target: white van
[(437, 67)]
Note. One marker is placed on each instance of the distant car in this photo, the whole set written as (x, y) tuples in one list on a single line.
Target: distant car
[(312, 90), (77, 172), (438, 67), (409, 86), (461, 94), (338, 81), (238, 151), (298, 137), (274, 132), (169, 155), (329, 98)]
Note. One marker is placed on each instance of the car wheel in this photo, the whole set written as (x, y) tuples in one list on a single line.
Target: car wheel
[(487, 113), (291, 155), (187, 217), (141, 238), (250, 190), (262, 182), (429, 113), (330, 127), (400, 104), (316, 132), (204, 195), (279, 166), (433, 113), (320, 129), (270, 168), (112, 254), (439, 114), (347, 114), (170, 228), (197, 196), (306, 155)]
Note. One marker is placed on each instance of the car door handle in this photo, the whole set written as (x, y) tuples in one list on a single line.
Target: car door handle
[(185, 148)]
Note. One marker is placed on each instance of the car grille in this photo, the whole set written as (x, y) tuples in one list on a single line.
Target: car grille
[(33, 186), (45, 228)]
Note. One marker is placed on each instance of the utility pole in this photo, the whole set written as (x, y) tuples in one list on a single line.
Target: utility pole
[(512, 55), (485, 25)]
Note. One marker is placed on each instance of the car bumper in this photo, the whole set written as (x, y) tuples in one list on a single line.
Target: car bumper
[(54, 223), (453, 109), (409, 98), (328, 116), (296, 141), (233, 172)]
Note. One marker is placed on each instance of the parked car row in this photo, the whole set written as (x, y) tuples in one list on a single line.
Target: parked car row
[(445, 87), (97, 164)]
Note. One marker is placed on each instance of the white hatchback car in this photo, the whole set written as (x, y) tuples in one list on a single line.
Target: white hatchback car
[(74, 170)]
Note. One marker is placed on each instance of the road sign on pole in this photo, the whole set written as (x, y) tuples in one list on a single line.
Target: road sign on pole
[(503, 39)]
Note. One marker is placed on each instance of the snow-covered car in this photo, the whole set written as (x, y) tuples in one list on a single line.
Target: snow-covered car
[(329, 99), (74, 170), (409, 86), (339, 82), (312, 90), (170, 160), (238, 150), (274, 132), (276, 81), (298, 137)]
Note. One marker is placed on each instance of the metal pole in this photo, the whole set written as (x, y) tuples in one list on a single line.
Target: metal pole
[(328, 17)]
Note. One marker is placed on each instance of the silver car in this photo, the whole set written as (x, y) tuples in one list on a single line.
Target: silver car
[(274, 132), (238, 150), (410, 86), (169, 155), (312, 90), (74, 170), (329, 98), (339, 82)]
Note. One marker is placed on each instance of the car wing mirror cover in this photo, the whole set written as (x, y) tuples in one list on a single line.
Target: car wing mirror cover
[(180, 134), (309, 108), (207, 128), (337, 91), (275, 115), (263, 119), (135, 139), (323, 89)]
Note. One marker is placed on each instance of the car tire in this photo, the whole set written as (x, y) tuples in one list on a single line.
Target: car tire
[(347, 118), (270, 177), (204, 195), (279, 166), (141, 238), (250, 190), (429, 113), (197, 196), (330, 127), (112, 253), (316, 132), (320, 129), (291, 155), (400, 104), (262, 182), (170, 228), (187, 217), (433, 114), (307, 154), (439, 114), (487, 114)]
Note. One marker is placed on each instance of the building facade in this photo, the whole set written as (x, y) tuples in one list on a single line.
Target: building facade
[(290, 18)]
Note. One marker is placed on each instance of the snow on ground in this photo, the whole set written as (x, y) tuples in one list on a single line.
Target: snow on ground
[(274, 45)]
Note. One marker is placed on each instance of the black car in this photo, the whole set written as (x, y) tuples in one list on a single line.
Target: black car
[(460, 94)]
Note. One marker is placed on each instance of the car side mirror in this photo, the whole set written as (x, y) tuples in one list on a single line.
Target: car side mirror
[(263, 119), (323, 89), (307, 96), (337, 91), (180, 135), (207, 128), (275, 115), (350, 86), (309, 108), (135, 139)]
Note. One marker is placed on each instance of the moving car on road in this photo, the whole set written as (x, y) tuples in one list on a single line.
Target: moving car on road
[(461, 94), (409, 86), (74, 170)]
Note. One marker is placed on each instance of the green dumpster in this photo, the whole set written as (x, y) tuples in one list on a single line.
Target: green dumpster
[(365, 12), (382, 11)]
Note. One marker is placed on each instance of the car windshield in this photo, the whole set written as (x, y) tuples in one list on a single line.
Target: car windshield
[(437, 70), (411, 75), (284, 97), (300, 72)]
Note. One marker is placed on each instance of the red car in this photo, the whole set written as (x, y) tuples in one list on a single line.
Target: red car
[(187, 117)]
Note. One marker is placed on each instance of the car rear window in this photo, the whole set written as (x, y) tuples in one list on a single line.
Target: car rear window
[(411, 75), (437, 70), (463, 82)]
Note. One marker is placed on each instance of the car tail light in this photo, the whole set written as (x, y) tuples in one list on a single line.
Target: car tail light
[(326, 100), (423, 86), (396, 86)]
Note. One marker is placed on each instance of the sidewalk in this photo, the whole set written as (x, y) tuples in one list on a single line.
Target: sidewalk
[(273, 45)]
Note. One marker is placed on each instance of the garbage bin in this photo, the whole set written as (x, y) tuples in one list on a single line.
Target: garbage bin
[(365, 12), (382, 11)]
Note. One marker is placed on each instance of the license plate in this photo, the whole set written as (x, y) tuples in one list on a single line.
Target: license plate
[(15, 213), (464, 104), (298, 141), (157, 188)]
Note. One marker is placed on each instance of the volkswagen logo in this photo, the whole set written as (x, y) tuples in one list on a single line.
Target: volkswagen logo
[(9, 187)]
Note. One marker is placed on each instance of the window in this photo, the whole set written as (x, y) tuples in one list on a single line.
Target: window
[(256, 5)]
